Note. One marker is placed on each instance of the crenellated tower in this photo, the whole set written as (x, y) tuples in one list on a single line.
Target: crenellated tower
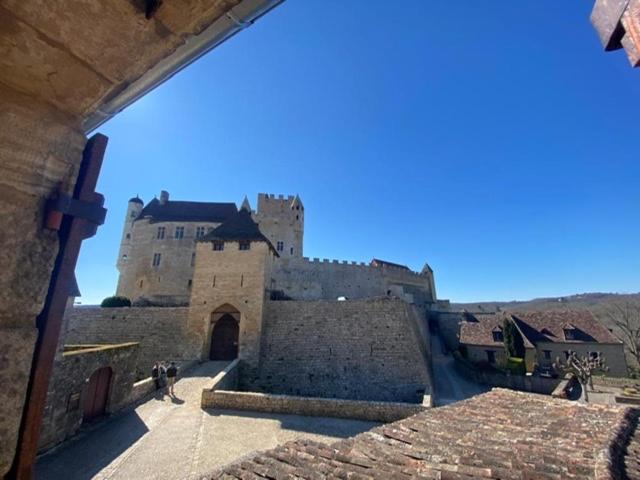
[(281, 219)]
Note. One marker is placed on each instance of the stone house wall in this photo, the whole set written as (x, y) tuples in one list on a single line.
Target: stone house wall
[(161, 332), (613, 354), (67, 392), (306, 279), (356, 349)]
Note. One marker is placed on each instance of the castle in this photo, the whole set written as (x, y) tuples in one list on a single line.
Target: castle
[(250, 294), (158, 254)]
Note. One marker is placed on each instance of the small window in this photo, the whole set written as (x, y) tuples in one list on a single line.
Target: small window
[(280, 246), (160, 234), (193, 259), (498, 336), (291, 250), (141, 283), (179, 232), (189, 283), (124, 257), (297, 217), (218, 246), (128, 236), (156, 259), (569, 334), (200, 231), (133, 214), (244, 245), (491, 356), (547, 354)]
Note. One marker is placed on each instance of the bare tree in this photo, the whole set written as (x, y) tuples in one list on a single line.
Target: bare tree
[(626, 318), (582, 368)]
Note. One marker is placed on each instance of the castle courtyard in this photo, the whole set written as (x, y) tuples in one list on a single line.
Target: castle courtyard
[(174, 438)]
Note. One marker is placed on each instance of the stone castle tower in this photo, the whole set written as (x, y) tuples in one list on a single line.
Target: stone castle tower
[(231, 280), (134, 207), (281, 219)]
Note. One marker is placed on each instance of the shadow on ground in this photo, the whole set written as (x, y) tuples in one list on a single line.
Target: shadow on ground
[(91, 450)]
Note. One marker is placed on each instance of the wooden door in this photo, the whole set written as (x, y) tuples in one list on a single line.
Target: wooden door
[(224, 339), (95, 401)]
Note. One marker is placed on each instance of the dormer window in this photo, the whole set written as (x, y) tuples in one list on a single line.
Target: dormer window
[(244, 245), (498, 336), (218, 246), (179, 233), (569, 332)]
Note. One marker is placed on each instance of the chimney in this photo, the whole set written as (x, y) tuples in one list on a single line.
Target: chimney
[(164, 197)]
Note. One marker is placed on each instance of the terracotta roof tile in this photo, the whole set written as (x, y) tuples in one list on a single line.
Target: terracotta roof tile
[(502, 434)]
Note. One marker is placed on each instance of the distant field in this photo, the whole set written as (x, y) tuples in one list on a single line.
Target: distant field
[(598, 303)]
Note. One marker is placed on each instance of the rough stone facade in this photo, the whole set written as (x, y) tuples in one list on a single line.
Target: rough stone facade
[(162, 333), (40, 149), (306, 279), (356, 349), (63, 414), (281, 219)]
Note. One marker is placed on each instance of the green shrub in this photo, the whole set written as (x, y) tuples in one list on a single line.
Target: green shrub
[(115, 301), (516, 366)]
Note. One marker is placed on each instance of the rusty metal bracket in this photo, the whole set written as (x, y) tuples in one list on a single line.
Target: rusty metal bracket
[(63, 204)]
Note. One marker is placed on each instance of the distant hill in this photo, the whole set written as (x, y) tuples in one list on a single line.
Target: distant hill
[(591, 301), (598, 303)]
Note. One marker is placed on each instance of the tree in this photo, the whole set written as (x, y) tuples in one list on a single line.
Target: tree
[(582, 369), (626, 318), (115, 301), (513, 343)]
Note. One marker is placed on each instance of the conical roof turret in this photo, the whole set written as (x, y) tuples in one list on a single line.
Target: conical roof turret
[(245, 205)]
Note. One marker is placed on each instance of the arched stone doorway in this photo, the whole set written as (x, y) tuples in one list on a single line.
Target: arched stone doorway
[(225, 333), (97, 395)]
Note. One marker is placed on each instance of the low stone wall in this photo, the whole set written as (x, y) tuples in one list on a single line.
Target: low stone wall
[(161, 332), (228, 378), (524, 383), (145, 387), (63, 414), (312, 406)]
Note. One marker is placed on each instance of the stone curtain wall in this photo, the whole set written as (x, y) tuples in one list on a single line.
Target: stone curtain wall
[(61, 418), (306, 279), (357, 349), (161, 332)]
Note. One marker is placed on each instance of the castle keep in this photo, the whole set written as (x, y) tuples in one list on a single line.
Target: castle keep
[(298, 325)]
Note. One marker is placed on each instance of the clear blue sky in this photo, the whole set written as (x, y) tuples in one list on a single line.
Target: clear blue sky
[(494, 140)]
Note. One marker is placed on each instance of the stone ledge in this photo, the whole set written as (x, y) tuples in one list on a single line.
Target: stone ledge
[(91, 348), (312, 406)]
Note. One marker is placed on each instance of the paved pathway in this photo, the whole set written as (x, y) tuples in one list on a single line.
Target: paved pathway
[(450, 385), (175, 439)]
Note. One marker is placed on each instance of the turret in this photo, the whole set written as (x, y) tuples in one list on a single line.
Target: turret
[(134, 207), (245, 205)]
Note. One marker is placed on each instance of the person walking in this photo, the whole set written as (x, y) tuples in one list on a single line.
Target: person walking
[(172, 373), (155, 374)]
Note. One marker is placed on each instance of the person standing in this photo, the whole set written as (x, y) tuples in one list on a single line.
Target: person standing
[(163, 375), (155, 374), (172, 373)]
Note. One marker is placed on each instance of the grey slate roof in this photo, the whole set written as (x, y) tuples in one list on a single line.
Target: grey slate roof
[(178, 211), (239, 226)]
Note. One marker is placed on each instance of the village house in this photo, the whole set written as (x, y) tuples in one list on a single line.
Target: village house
[(546, 335)]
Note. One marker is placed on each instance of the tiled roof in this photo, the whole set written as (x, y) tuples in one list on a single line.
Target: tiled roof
[(172, 211), (502, 434), (477, 329), (548, 326)]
